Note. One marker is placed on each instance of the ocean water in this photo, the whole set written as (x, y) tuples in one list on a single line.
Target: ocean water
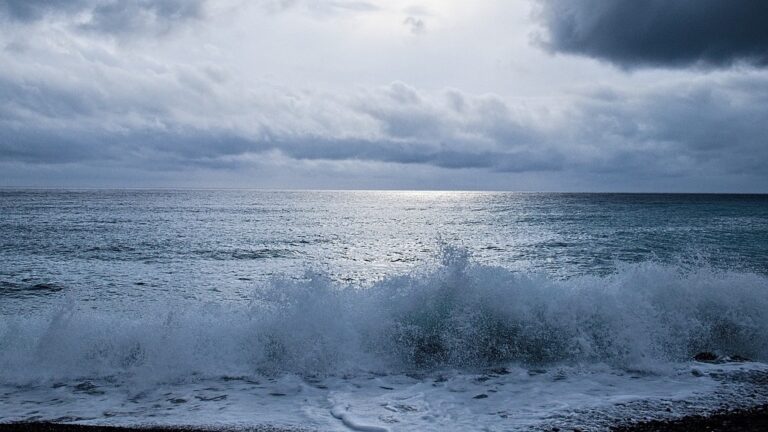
[(379, 310)]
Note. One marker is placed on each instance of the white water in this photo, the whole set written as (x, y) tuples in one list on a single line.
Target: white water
[(585, 397), (412, 351)]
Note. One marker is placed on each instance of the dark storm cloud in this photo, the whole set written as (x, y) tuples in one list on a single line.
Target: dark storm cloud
[(668, 33), (107, 16)]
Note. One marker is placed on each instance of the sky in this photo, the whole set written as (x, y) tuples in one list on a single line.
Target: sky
[(521, 95)]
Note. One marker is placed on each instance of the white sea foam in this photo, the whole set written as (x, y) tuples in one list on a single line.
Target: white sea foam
[(414, 350), (588, 398), (458, 315)]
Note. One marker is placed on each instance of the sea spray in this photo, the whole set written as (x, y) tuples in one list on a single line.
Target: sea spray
[(456, 314)]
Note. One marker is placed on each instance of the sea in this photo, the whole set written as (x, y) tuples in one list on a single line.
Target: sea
[(380, 310)]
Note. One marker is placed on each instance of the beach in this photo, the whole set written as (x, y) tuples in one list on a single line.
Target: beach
[(747, 420)]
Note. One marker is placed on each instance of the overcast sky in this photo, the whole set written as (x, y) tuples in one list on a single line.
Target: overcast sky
[(551, 95)]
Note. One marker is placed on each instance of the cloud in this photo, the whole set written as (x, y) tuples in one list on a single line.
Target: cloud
[(33, 10), (416, 25), (709, 126), (667, 33), (48, 124), (75, 102), (126, 109), (321, 7), (106, 16), (122, 113)]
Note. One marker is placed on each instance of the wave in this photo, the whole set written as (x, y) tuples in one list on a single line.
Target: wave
[(12, 289), (455, 314)]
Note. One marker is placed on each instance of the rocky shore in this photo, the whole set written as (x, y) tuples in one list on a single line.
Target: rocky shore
[(746, 420)]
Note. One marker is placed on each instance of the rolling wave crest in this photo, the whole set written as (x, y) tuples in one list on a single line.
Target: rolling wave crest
[(458, 314)]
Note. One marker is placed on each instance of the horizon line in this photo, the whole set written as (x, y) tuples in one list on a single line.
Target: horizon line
[(257, 189)]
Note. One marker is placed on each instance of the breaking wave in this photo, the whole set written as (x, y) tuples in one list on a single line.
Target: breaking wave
[(457, 314)]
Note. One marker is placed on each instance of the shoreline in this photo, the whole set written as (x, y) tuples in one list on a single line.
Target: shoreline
[(753, 419), (72, 427), (742, 420)]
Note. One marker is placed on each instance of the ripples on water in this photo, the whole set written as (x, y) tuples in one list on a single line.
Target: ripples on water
[(99, 244)]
